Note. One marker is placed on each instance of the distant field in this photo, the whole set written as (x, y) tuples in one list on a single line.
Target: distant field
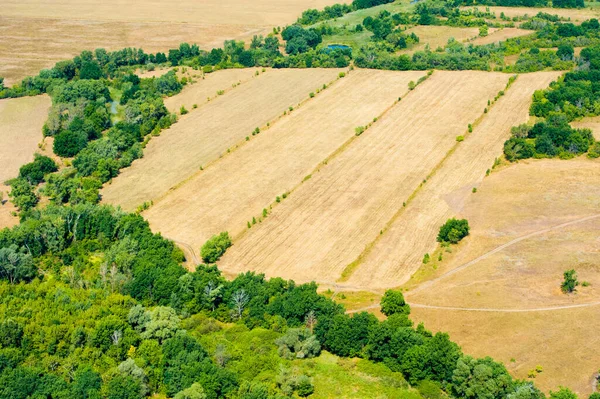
[(499, 35), (226, 195), (326, 222), (35, 34), (575, 15), (518, 206), (21, 122), (398, 253), (438, 36), (356, 17), (208, 132)]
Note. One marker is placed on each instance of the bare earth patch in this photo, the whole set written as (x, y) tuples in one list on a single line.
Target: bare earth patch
[(520, 282), (229, 193), (208, 132), (327, 221)]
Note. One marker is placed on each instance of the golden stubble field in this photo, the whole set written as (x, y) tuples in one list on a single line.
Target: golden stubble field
[(229, 193), (21, 121), (327, 221), (35, 34), (207, 132), (498, 292), (398, 253), (574, 15)]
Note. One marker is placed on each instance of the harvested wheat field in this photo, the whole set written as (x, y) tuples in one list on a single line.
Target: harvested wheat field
[(498, 293), (398, 253), (500, 35), (592, 123), (438, 36), (21, 121), (206, 87), (35, 34), (226, 195), (208, 132), (574, 15), (326, 222)]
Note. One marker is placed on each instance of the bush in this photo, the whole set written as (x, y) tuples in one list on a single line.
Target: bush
[(215, 247), (453, 231), (34, 171), (570, 281), (68, 143), (298, 343), (393, 303)]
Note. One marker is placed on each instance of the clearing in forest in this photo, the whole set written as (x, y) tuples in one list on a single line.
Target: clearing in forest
[(229, 193), (21, 121), (438, 36), (210, 131), (529, 223), (327, 221), (500, 35), (35, 34), (575, 15), (399, 252), (592, 123)]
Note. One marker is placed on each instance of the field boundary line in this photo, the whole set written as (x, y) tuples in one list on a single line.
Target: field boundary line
[(334, 154), (241, 143), (354, 265)]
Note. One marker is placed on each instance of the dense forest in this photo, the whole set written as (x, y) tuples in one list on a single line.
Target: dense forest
[(95, 305)]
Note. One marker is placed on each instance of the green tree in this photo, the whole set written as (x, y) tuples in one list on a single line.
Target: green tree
[(481, 379), (298, 343), (563, 393), (569, 282), (453, 231), (393, 302), (215, 247), (22, 194), (193, 392)]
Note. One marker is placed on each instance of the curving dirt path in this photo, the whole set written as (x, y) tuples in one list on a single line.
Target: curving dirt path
[(484, 256), (500, 248)]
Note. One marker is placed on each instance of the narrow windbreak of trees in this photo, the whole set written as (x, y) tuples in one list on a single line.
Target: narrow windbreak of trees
[(526, 3)]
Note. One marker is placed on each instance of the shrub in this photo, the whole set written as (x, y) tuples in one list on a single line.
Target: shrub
[(393, 303), (460, 138), (359, 130), (426, 259), (182, 110), (570, 281), (68, 143), (342, 74), (215, 247), (298, 343), (34, 171), (453, 231)]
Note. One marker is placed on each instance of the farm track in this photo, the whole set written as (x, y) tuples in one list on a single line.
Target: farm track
[(211, 132), (396, 254), (329, 219), (499, 248), (234, 189)]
